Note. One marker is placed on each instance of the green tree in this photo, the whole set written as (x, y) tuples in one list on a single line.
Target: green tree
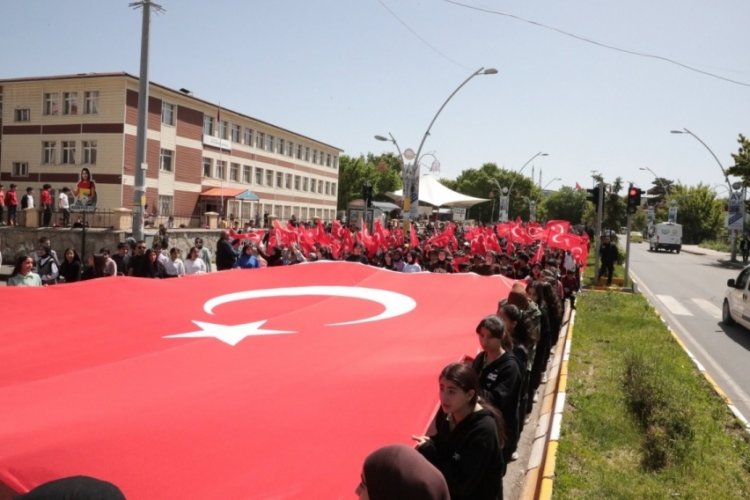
[(698, 210), (615, 207), (566, 204), (383, 172), (487, 182), (741, 167)]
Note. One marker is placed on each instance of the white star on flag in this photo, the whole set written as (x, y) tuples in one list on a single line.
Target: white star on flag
[(229, 334)]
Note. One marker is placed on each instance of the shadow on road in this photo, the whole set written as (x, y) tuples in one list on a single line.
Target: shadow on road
[(737, 333)]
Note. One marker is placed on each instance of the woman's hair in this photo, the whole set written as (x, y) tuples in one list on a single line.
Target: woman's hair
[(493, 324), (523, 334), (190, 252), (554, 305), (464, 376), (246, 246), (88, 173), (76, 257), (19, 262)]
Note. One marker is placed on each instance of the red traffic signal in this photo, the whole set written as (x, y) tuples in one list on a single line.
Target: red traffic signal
[(634, 198)]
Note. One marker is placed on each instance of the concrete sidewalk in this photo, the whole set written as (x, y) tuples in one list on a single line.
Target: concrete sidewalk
[(725, 258)]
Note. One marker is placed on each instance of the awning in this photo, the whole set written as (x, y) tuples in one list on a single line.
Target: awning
[(384, 205), (237, 193)]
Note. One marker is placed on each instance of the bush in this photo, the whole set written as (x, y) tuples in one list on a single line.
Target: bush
[(658, 407)]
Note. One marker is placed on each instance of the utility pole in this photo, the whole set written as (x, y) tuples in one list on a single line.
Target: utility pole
[(139, 182), (598, 235)]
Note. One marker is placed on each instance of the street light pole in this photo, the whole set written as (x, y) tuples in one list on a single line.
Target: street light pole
[(550, 182), (726, 179), (512, 183), (139, 181), (410, 173)]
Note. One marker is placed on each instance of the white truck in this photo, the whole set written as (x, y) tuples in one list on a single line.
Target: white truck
[(666, 236)]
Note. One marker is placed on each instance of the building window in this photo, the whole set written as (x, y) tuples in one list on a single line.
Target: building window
[(206, 167), (165, 160), (91, 102), (236, 131), (234, 172), (288, 181), (281, 146), (89, 152), (165, 204), (315, 156), (333, 189), (259, 176), (167, 113), (223, 129), (208, 125), (328, 187), (22, 114), (313, 187), (246, 174), (260, 140), (269, 177), (49, 148), (320, 187), (247, 137), (70, 103), (20, 169), (270, 143), (299, 151), (290, 149), (328, 160), (304, 183), (221, 167), (307, 153), (296, 182), (51, 103), (69, 152), (279, 180)]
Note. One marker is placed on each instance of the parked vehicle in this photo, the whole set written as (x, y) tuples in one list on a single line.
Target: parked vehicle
[(736, 306), (665, 236)]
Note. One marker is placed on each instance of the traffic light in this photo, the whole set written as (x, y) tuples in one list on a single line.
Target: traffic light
[(594, 196), (634, 198)]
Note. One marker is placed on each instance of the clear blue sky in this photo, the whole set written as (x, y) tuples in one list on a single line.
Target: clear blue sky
[(342, 71)]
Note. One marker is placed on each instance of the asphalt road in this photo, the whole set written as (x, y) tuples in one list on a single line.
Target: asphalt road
[(688, 290)]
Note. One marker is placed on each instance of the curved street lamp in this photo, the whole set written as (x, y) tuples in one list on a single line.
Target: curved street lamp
[(550, 182), (513, 182), (723, 171), (410, 173), (733, 257)]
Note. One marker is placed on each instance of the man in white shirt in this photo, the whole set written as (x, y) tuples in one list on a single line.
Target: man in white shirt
[(28, 199), (63, 203)]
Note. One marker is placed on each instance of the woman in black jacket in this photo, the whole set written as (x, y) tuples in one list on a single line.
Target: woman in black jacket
[(466, 444), (499, 377)]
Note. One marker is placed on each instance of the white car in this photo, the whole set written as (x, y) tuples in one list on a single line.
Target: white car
[(736, 306)]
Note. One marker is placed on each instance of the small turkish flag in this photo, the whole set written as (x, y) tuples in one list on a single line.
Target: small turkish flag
[(266, 383)]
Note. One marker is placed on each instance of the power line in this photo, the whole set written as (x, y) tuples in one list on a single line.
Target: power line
[(599, 44), (428, 44)]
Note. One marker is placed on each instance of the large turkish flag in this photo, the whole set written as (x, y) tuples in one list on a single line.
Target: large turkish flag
[(269, 383)]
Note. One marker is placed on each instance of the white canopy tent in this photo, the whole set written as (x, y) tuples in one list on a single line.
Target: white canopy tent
[(435, 194)]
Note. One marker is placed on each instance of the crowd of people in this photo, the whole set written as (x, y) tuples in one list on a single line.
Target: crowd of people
[(484, 404)]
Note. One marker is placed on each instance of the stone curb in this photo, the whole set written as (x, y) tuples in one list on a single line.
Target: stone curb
[(540, 472), (540, 469)]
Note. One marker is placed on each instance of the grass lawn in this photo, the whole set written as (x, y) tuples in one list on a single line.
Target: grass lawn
[(640, 421)]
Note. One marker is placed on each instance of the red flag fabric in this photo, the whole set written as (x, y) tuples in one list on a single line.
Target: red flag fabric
[(413, 239), (578, 186), (240, 392)]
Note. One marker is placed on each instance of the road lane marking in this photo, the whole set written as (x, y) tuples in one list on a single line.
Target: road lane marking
[(709, 307), (673, 305), (678, 330)]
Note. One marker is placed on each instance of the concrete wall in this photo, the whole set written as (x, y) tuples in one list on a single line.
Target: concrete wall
[(15, 241)]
